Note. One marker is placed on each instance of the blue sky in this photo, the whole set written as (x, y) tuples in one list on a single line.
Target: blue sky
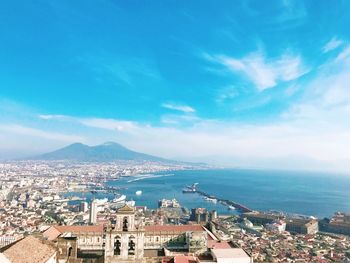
[(239, 83)]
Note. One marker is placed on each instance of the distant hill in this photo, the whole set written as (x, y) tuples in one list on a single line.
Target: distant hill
[(106, 152)]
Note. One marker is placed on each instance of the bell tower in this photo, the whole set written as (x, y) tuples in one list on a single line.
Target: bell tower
[(124, 237)]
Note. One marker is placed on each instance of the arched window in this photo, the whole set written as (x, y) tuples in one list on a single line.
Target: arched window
[(117, 245), (70, 251), (125, 224), (131, 249)]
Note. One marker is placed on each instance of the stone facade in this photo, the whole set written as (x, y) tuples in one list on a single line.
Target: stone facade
[(124, 237)]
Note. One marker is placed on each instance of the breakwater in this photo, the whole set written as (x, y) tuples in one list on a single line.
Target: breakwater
[(226, 202)]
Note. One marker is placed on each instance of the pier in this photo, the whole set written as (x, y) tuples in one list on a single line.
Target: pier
[(238, 206)]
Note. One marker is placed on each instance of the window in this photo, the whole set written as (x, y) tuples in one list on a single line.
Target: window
[(117, 245)]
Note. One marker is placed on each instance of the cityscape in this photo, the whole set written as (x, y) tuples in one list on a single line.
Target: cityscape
[(35, 208), (175, 131)]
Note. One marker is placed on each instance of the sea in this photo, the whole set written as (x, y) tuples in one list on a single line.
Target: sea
[(303, 193)]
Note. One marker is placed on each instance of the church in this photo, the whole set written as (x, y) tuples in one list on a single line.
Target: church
[(125, 238)]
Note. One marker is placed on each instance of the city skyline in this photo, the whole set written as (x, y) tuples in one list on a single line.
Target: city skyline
[(244, 84)]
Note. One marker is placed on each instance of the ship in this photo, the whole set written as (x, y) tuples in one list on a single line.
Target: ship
[(230, 207), (190, 189), (119, 199), (139, 192), (211, 199)]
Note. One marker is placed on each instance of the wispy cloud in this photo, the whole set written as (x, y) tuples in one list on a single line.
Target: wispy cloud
[(34, 132), (264, 73), (327, 97), (101, 123), (108, 124), (122, 70), (332, 44), (226, 93), (178, 107), (49, 117), (344, 55)]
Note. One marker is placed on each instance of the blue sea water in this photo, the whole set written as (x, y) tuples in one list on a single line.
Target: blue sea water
[(294, 192)]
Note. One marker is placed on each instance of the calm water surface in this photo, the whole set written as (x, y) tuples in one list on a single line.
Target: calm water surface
[(294, 192)]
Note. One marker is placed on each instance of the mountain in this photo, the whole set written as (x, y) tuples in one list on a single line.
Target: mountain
[(106, 152)]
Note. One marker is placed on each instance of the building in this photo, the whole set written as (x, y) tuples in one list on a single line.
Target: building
[(7, 240), (189, 238), (230, 255), (260, 218), (84, 207), (277, 226), (199, 215), (338, 224), (293, 225), (93, 212), (125, 238), (29, 250), (302, 226), (165, 203), (213, 215), (88, 237)]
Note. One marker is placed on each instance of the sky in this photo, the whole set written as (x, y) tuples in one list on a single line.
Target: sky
[(261, 84)]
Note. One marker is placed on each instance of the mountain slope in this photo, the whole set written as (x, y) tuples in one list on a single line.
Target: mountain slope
[(106, 152)]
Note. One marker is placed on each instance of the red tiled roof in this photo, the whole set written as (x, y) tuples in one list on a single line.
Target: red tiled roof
[(77, 229), (184, 259), (173, 228), (55, 231), (217, 244), (29, 250)]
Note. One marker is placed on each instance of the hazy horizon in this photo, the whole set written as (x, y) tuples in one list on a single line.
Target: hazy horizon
[(240, 84)]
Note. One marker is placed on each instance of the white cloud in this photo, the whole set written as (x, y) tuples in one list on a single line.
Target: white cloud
[(108, 124), (102, 123), (33, 132), (227, 93), (49, 117), (264, 73), (314, 132), (178, 107), (332, 44), (327, 96), (344, 55)]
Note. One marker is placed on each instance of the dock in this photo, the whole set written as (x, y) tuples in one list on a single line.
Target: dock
[(238, 206)]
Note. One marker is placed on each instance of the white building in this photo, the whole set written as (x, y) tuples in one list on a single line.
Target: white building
[(93, 212), (84, 207), (230, 255), (278, 226)]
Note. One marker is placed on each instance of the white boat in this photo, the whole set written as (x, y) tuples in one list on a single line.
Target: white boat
[(139, 192), (119, 199), (230, 207), (209, 199)]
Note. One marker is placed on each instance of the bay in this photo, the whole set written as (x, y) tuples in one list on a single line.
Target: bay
[(316, 194)]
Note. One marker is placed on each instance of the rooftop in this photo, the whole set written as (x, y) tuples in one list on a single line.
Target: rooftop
[(229, 253), (174, 228), (55, 231), (23, 252)]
